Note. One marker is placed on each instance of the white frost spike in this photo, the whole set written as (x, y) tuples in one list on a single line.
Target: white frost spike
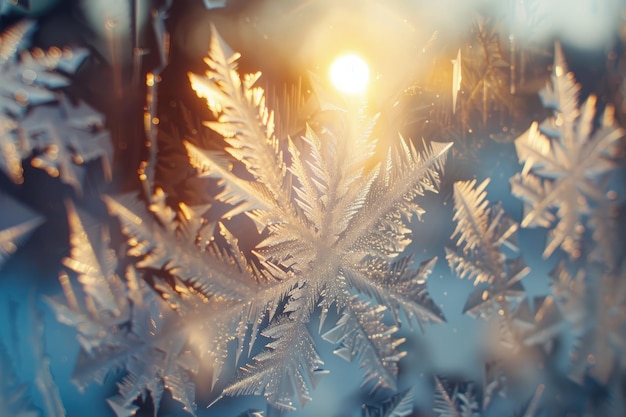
[(94, 264), (16, 224), (457, 76), (471, 215)]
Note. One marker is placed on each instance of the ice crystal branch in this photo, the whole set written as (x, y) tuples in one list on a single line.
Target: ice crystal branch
[(482, 233), (244, 121), (123, 324)]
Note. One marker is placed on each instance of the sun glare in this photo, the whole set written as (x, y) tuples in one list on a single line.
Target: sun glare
[(349, 74)]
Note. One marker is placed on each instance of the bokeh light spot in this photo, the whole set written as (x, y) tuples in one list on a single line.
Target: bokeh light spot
[(349, 74)]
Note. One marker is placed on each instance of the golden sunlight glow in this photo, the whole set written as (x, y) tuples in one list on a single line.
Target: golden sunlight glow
[(349, 74)]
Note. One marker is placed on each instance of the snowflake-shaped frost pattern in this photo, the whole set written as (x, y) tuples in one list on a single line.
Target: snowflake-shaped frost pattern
[(566, 161), (333, 217), (63, 138), (341, 211)]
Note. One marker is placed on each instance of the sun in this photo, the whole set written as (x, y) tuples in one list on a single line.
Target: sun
[(349, 74)]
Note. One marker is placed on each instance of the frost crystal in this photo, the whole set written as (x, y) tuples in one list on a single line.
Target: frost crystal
[(566, 162), (59, 138)]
